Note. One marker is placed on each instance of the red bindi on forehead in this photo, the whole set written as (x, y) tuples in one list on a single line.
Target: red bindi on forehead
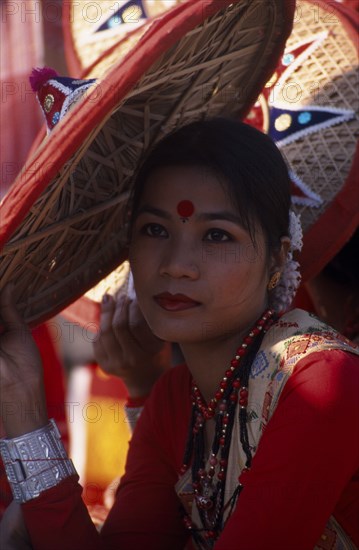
[(185, 209)]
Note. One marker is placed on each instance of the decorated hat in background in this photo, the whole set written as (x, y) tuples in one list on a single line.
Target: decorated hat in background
[(309, 107), (63, 221), (91, 28)]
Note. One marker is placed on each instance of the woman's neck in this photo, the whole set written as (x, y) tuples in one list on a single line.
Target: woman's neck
[(208, 361)]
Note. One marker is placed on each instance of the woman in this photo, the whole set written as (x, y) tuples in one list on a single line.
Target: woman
[(248, 445)]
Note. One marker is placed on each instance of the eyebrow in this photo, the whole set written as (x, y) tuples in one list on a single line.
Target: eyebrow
[(226, 216), (147, 209), (206, 216)]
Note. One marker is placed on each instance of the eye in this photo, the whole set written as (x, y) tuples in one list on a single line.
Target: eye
[(154, 230), (218, 236)]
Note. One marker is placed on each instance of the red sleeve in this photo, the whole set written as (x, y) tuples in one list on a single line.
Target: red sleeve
[(59, 520), (305, 460)]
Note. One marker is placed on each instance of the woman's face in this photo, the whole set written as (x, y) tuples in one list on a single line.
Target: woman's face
[(197, 274)]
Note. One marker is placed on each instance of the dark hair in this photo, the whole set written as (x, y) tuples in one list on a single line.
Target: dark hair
[(245, 161)]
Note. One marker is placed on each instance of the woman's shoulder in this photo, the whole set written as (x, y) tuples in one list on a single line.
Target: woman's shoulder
[(304, 321), (303, 354), (298, 333), (336, 364), (328, 379)]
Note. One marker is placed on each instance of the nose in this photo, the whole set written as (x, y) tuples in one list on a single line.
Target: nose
[(180, 261)]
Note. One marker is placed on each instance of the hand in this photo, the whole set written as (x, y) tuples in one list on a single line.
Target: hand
[(13, 532), (127, 348), (22, 395)]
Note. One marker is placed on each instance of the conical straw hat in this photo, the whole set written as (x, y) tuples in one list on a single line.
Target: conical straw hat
[(63, 220)]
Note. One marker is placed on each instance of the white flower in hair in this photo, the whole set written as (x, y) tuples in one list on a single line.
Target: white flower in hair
[(283, 295), (295, 232)]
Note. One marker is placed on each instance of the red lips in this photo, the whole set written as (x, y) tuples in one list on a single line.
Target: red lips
[(175, 302)]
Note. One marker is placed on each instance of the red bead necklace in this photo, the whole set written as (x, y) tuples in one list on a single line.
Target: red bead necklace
[(207, 486)]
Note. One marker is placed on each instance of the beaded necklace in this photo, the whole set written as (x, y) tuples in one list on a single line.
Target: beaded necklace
[(208, 486)]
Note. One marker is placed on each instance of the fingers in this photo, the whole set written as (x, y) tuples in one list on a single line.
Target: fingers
[(114, 327), (107, 310), (141, 331), (8, 312), (100, 353), (102, 346), (125, 339), (131, 345), (115, 348), (120, 319)]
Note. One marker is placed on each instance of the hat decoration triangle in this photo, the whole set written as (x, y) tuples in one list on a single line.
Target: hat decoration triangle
[(91, 30), (280, 112), (56, 95)]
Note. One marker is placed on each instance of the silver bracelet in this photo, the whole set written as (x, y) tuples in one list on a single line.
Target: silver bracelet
[(35, 462)]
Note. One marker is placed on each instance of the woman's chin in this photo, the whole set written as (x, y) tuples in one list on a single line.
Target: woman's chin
[(174, 332)]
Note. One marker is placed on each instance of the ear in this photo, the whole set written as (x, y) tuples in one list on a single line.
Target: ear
[(279, 257)]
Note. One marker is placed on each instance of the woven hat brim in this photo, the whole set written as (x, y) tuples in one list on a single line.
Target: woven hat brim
[(65, 213)]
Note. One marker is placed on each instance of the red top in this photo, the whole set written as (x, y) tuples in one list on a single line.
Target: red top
[(304, 470)]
